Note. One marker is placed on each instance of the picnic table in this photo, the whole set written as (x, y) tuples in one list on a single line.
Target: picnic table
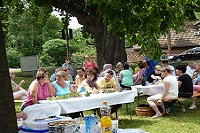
[(72, 105), (150, 89)]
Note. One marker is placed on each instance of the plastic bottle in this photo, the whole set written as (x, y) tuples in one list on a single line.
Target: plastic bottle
[(106, 122), (143, 80)]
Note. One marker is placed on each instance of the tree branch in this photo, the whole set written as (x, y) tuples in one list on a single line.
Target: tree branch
[(86, 15)]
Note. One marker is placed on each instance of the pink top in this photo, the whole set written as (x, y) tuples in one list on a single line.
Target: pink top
[(140, 74), (89, 65), (43, 93)]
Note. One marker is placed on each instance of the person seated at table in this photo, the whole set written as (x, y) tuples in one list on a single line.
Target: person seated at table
[(62, 86), (190, 68), (185, 84), (108, 82), (68, 76), (118, 68), (53, 76), (165, 63), (150, 65), (196, 87), (89, 84), (97, 71), (18, 92), (126, 77), (156, 74), (139, 74), (107, 67), (170, 85), (39, 89), (79, 77), (68, 65)]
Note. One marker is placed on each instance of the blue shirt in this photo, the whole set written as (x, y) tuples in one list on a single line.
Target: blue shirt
[(70, 67), (61, 91), (151, 64)]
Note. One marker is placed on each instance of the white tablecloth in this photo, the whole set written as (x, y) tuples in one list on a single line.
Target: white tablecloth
[(94, 101), (149, 89)]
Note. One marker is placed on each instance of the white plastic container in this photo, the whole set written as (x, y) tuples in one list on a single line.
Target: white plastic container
[(39, 115), (38, 111)]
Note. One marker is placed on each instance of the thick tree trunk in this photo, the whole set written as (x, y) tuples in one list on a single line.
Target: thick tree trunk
[(8, 122), (110, 48)]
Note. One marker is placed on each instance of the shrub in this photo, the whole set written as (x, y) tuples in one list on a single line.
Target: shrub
[(13, 58)]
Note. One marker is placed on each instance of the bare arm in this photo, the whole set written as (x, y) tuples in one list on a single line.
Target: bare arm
[(84, 64), (97, 86), (33, 92), (71, 88), (89, 89), (86, 86), (155, 77), (52, 90), (194, 74), (120, 77), (115, 87), (95, 64), (22, 115), (166, 88), (17, 87)]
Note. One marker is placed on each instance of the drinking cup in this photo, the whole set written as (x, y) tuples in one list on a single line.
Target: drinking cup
[(115, 126)]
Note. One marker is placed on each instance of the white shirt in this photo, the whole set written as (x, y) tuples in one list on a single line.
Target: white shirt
[(189, 70), (173, 85)]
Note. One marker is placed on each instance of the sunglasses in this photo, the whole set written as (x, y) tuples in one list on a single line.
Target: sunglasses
[(158, 70), (60, 76)]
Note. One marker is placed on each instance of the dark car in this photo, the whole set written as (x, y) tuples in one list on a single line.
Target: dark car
[(190, 54)]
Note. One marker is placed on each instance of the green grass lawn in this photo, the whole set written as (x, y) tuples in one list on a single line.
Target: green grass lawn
[(183, 122)]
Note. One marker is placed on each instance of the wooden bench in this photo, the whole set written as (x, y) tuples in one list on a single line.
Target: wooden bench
[(172, 102), (180, 100), (18, 101), (196, 94)]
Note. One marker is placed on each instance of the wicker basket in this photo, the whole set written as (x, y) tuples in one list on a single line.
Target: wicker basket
[(143, 109)]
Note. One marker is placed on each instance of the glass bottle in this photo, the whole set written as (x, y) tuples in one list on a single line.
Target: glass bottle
[(143, 80)]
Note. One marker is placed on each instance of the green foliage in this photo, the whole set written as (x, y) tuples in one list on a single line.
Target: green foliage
[(13, 58), (142, 22), (54, 51), (27, 32), (82, 48)]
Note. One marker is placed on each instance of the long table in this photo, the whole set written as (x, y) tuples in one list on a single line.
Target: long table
[(72, 105), (149, 89)]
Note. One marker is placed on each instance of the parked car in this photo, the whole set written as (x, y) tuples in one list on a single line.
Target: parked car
[(166, 57), (190, 54)]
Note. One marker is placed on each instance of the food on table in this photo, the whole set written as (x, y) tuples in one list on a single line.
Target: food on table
[(109, 90), (87, 94)]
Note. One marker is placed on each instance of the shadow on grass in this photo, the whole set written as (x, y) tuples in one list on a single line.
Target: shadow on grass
[(136, 122)]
